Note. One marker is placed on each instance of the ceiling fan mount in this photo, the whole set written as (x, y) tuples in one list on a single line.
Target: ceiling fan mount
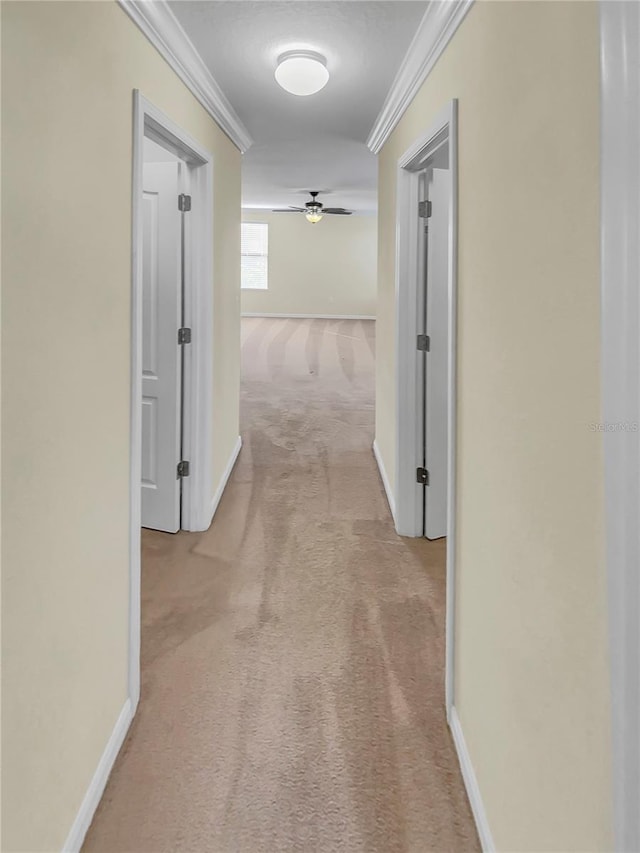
[(314, 200)]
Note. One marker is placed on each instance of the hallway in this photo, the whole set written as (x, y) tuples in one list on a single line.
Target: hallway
[(293, 654)]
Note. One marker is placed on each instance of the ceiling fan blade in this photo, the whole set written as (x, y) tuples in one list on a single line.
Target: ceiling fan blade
[(339, 211), (287, 210)]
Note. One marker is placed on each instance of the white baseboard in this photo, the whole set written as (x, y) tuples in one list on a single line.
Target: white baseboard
[(311, 316), (385, 481), (471, 784), (97, 785), (224, 479)]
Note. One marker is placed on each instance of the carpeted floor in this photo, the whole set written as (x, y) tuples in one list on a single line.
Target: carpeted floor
[(292, 655)]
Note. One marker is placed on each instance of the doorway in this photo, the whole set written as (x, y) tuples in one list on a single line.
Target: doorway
[(171, 339), (426, 346)]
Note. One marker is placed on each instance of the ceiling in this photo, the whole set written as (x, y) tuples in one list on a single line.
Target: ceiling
[(314, 142)]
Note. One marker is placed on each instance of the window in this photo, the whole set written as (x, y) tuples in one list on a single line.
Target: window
[(255, 255)]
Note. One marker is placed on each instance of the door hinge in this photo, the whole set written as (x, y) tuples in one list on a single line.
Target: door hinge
[(424, 343), (422, 476), (183, 469), (184, 202), (184, 336), (424, 209)]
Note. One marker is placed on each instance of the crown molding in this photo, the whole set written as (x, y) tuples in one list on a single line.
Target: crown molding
[(434, 33), (158, 23)]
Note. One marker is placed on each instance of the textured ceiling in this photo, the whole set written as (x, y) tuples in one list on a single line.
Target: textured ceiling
[(315, 142)]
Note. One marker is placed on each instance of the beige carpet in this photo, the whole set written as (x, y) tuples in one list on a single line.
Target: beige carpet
[(292, 655)]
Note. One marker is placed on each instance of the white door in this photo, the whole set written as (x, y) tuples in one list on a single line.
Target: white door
[(436, 370), (161, 357)]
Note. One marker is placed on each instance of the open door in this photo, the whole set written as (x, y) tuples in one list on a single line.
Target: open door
[(436, 304), (161, 356)]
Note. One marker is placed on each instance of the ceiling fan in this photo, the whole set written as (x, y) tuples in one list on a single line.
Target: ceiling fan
[(314, 210)]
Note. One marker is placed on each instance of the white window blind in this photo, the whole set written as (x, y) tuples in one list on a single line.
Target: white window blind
[(255, 255)]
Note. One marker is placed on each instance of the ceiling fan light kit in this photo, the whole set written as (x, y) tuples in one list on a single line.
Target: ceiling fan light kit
[(302, 72)]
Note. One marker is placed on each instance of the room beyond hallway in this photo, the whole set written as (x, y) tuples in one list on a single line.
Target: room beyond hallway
[(293, 654)]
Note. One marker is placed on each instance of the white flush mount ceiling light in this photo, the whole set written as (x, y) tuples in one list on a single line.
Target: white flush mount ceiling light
[(302, 72)]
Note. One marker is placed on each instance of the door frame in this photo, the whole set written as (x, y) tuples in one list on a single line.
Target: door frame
[(408, 281), (150, 122), (620, 272)]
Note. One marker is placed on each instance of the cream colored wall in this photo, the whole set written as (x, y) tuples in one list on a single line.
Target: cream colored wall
[(68, 73), (531, 685), (328, 268)]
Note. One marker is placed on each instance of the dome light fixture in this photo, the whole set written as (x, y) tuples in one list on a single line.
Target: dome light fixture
[(313, 216), (302, 72)]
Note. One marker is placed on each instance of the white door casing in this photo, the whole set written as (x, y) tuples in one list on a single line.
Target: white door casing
[(161, 319), (438, 140), (436, 368), (198, 498), (620, 273)]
